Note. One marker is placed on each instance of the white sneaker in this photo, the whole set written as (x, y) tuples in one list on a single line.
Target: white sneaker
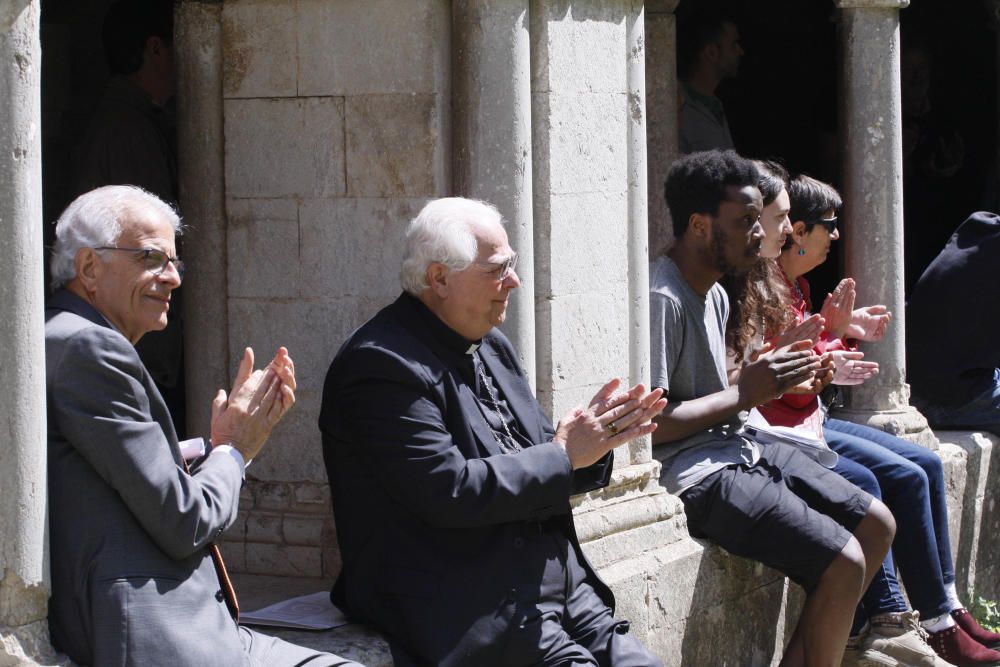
[(856, 655), (900, 636)]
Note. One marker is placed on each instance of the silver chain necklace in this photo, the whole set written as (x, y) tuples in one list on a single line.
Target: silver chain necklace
[(496, 409), (798, 290)]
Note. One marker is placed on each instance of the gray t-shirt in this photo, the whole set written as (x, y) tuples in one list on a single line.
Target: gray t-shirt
[(688, 341), (702, 123)]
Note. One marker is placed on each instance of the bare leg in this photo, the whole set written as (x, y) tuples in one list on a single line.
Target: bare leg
[(821, 633)]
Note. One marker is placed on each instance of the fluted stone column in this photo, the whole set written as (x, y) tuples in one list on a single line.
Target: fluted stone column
[(200, 136), (491, 112), (871, 126), (589, 187), (24, 585), (661, 114), (638, 212)]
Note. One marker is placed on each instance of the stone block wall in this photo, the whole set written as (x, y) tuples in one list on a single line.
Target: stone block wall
[(579, 132), (333, 141)]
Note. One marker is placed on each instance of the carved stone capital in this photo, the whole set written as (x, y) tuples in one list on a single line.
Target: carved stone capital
[(661, 6), (872, 4)]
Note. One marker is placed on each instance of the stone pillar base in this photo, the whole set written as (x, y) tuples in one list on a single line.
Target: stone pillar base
[(633, 508), (28, 645), (906, 423)]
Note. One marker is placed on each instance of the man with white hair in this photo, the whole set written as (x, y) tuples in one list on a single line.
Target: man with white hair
[(450, 486), (136, 578)]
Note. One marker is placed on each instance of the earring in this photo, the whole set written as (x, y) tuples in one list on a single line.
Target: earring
[(802, 251)]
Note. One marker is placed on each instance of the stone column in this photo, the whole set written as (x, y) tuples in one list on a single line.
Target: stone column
[(23, 578), (661, 114), (638, 212), (491, 140), (871, 126), (200, 136)]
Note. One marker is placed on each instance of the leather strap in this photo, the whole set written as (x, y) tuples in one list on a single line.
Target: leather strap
[(220, 570)]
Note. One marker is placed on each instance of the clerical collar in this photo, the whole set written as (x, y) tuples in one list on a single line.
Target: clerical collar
[(445, 335)]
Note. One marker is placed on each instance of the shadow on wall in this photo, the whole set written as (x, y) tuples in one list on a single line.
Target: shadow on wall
[(987, 582), (986, 542), (738, 603)]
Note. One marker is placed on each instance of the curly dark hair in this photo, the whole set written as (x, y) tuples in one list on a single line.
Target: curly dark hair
[(758, 303), (697, 183)]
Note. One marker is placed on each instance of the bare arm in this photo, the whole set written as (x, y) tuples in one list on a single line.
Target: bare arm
[(760, 381), (683, 418)]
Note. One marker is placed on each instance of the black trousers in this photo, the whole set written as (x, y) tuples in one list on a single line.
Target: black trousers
[(553, 617), (568, 624)]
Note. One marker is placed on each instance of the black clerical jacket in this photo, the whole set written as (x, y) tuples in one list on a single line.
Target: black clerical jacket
[(431, 517)]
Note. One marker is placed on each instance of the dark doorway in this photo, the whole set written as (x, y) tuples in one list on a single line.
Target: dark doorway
[(785, 103), (99, 129)]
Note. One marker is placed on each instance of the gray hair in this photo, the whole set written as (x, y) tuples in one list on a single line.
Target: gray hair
[(94, 219), (443, 232)]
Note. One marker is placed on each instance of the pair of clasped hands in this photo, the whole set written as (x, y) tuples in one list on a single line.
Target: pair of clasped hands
[(611, 419), (255, 404), (788, 364)]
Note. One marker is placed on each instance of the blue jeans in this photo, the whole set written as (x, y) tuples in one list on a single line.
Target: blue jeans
[(911, 479), (883, 594), (983, 411)]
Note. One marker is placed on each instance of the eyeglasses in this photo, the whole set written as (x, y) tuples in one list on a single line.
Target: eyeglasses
[(829, 223), (154, 261), (501, 269)]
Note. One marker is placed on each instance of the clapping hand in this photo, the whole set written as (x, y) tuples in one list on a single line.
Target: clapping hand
[(818, 382), (808, 329), (869, 323), (257, 402), (838, 309), (611, 419), (824, 376), (851, 369), (776, 371)]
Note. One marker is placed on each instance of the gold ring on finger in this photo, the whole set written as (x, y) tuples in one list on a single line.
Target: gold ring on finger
[(611, 426)]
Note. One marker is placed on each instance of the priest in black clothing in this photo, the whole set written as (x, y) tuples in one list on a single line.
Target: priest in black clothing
[(450, 485)]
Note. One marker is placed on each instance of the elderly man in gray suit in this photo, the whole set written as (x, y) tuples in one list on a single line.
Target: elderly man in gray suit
[(136, 578)]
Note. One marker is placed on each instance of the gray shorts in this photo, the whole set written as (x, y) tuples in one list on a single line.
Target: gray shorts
[(786, 511)]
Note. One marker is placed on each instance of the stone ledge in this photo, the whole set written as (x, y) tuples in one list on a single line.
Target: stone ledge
[(690, 602), (29, 645), (355, 641)]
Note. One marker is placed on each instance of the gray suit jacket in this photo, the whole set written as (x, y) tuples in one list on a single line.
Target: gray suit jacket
[(132, 580)]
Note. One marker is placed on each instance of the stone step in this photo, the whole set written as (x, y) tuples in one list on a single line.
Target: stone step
[(692, 603), (354, 641)]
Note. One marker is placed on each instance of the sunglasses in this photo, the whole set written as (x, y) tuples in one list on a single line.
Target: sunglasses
[(829, 223)]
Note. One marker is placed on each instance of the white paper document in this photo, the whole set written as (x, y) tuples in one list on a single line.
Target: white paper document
[(308, 612), (759, 430), (192, 449)]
